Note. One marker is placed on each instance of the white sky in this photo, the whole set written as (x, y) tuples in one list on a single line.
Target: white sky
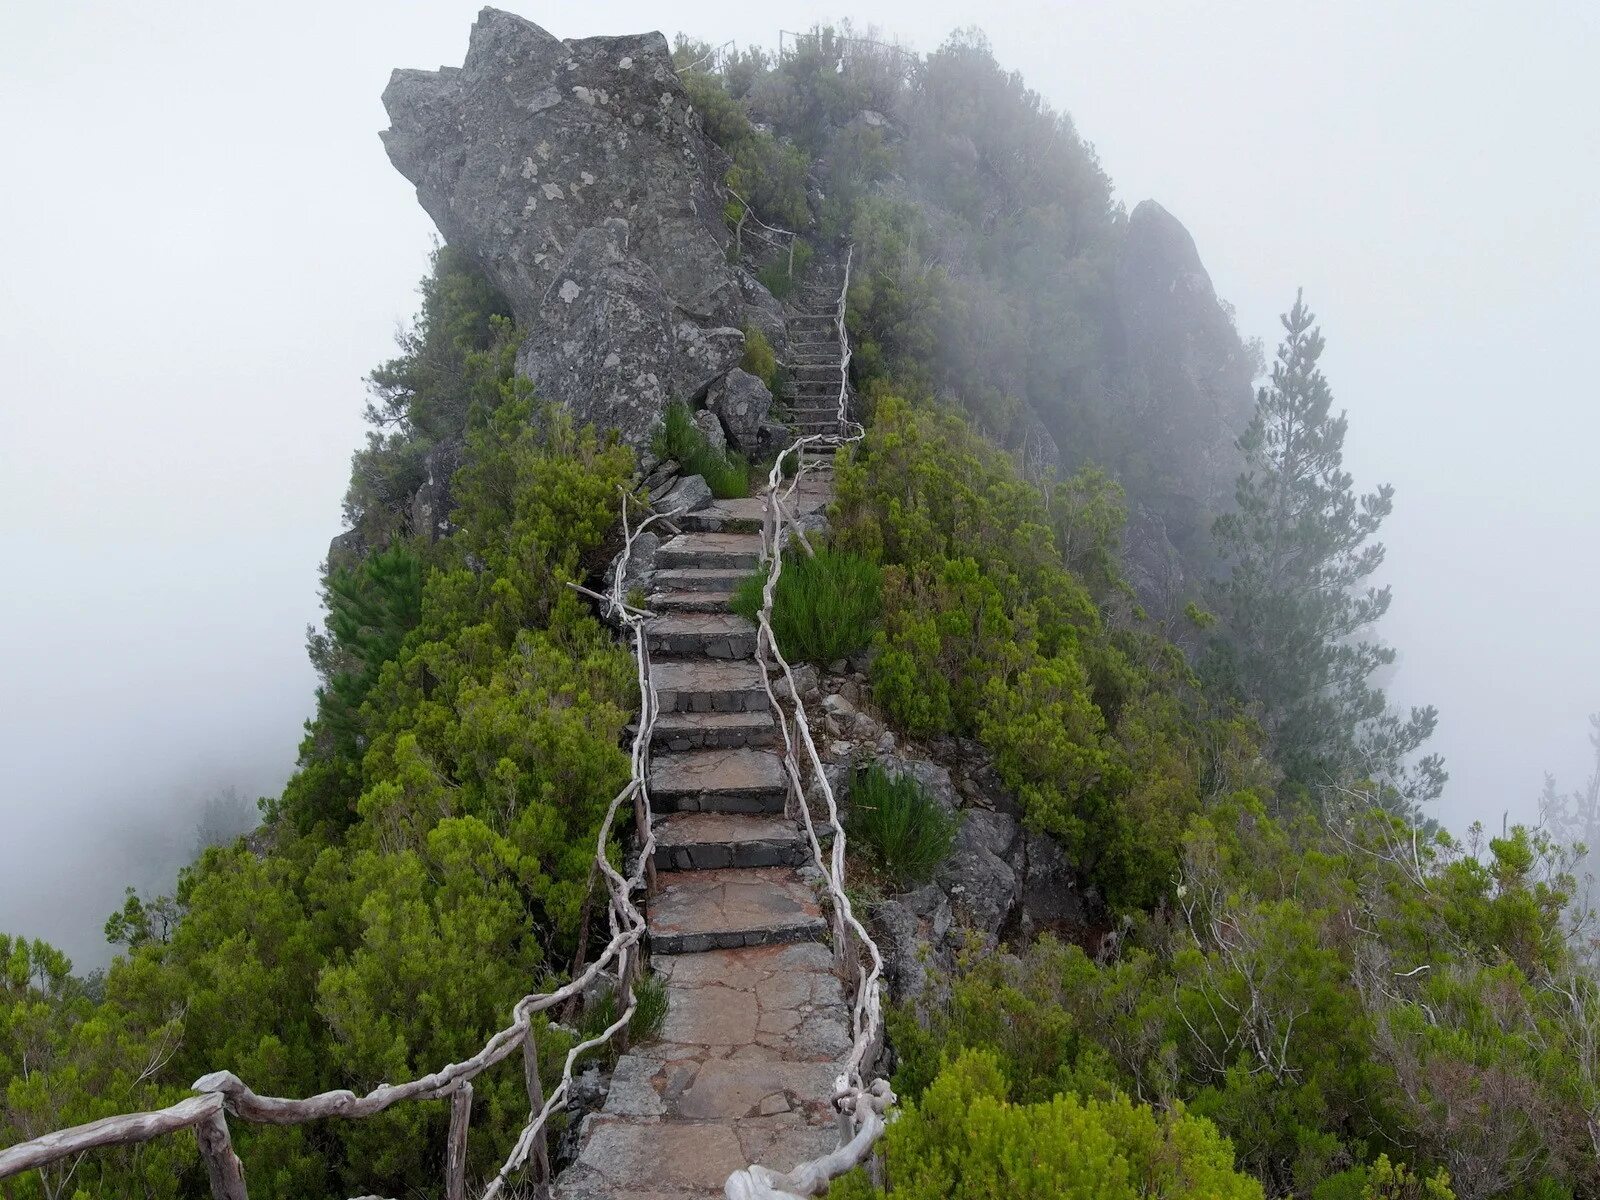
[(203, 249)]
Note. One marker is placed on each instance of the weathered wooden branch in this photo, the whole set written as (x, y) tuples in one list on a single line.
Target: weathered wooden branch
[(455, 1148), (530, 1074), (223, 1168), (109, 1131)]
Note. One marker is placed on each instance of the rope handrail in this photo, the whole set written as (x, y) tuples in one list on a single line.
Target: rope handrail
[(223, 1092), (861, 1105)]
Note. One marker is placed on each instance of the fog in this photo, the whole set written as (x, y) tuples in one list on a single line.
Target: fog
[(203, 249)]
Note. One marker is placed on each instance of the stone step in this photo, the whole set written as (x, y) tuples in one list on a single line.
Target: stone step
[(745, 779), (734, 550), (702, 685), (691, 601), (714, 635), (743, 515), (811, 372), (694, 911), (716, 841), (743, 1072), (678, 731), (690, 579)]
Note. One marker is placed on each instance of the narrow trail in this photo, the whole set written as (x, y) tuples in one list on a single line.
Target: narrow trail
[(758, 1025)]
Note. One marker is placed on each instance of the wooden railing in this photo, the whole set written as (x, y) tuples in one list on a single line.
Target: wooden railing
[(224, 1094), (861, 1105), (782, 240)]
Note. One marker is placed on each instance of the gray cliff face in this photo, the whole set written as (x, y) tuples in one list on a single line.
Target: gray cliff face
[(1190, 374), (576, 175), (1188, 380)]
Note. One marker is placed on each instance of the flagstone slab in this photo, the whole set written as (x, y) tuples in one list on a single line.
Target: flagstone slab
[(748, 906)]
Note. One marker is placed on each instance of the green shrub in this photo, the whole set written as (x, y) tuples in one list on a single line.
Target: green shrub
[(964, 1141), (898, 825), (776, 276), (680, 439), (759, 358), (825, 607)]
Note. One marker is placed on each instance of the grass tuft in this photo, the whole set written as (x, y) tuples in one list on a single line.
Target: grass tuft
[(897, 825), (679, 438), (825, 608)]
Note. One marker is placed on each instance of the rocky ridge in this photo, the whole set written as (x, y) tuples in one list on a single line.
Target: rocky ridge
[(576, 175)]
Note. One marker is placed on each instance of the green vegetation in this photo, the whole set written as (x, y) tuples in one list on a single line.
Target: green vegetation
[(727, 474), (897, 825), (1335, 998), (964, 1140), (986, 633), (759, 358), (825, 607), (1296, 601), (429, 859)]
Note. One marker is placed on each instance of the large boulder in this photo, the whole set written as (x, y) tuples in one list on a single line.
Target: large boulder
[(742, 402), (520, 154)]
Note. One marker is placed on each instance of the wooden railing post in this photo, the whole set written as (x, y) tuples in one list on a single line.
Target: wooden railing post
[(223, 1167), (530, 1074), (627, 964), (641, 822), (455, 1153)]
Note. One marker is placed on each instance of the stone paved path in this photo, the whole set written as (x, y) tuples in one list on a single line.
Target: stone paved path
[(757, 1025)]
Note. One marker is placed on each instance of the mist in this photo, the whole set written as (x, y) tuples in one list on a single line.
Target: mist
[(205, 249)]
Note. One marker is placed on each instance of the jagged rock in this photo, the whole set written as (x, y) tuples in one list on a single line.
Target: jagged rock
[(978, 875), (1051, 900), (1192, 376), (763, 311), (641, 564), (535, 142), (712, 428), (805, 678), (701, 357), (432, 505), (605, 335), (661, 477), (935, 780), (772, 438), (742, 402), (689, 494), (346, 549)]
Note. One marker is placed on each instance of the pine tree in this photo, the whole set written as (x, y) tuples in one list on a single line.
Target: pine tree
[(1301, 547)]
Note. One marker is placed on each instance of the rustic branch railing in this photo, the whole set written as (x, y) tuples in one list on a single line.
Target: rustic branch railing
[(861, 1105), (224, 1093), (779, 238)]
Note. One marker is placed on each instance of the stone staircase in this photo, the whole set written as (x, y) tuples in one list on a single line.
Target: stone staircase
[(757, 1024), (810, 398)]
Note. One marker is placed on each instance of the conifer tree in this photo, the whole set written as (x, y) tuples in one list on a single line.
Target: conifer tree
[(1300, 544)]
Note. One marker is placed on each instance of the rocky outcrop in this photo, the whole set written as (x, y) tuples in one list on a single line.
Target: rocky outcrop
[(1000, 881), (1188, 375), (430, 508), (742, 402), (576, 175)]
